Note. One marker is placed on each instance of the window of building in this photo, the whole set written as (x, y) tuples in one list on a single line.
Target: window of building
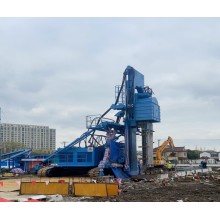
[(62, 158), (84, 157)]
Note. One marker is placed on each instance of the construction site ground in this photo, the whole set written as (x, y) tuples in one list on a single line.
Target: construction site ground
[(203, 187)]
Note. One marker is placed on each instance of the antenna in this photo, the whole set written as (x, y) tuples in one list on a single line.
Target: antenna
[(158, 142), (64, 143)]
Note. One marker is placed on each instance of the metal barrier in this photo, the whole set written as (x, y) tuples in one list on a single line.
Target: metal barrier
[(94, 189), (38, 188), (77, 186)]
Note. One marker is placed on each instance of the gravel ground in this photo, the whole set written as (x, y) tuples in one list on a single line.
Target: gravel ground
[(200, 188), (156, 192)]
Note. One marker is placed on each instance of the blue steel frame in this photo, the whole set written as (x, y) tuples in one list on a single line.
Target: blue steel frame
[(139, 106)]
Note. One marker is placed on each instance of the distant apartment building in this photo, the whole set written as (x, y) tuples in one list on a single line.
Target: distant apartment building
[(31, 136)]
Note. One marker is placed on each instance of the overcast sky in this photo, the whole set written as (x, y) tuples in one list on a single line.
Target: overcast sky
[(55, 71)]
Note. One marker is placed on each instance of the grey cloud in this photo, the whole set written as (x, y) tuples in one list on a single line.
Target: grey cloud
[(54, 71)]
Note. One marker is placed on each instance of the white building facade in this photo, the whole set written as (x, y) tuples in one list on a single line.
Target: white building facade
[(211, 157), (31, 136)]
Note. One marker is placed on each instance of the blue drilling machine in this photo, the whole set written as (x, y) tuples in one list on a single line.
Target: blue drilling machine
[(109, 146)]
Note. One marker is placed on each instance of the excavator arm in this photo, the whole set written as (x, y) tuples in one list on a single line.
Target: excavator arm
[(161, 148)]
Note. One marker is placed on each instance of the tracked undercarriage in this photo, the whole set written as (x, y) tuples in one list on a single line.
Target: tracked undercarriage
[(50, 171), (65, 171)]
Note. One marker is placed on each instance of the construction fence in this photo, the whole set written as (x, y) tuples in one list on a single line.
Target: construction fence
[(76, 186)]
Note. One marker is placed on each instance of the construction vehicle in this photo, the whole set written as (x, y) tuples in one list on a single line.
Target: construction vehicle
[(110, 145), (160, 161), (12, 159)]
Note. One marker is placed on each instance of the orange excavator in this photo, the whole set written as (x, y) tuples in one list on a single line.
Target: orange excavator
[(159, 160)]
